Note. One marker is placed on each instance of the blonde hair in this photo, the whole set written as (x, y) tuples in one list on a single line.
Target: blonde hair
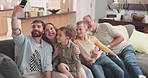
[(83, 23)]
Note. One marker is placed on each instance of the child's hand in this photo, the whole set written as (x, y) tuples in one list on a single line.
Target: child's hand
[(56, 51), (54, 68), (76, 49), (94, 53)]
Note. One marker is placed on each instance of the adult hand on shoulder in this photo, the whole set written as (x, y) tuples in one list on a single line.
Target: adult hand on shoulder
[(89, 63)]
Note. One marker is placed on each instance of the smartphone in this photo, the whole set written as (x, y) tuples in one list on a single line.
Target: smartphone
[(23, 2)]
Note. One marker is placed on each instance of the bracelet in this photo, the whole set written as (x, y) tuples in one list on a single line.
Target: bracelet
[(14, 29)]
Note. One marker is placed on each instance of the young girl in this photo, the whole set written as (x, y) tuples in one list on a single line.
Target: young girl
[(92, 57), (67, 61)]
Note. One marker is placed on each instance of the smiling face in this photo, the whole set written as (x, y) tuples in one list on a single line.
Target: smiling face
[(37, 29), (50, 31), (81, 28), (61, 37), (90, 22)]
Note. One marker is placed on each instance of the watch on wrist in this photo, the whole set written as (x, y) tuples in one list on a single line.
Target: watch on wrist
[(108, 46)]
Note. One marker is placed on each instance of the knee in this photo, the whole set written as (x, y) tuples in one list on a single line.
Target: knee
[(122, 72), (61, 66), (130, 63), (58, 75)]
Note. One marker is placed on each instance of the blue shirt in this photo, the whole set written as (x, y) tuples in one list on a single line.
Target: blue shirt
[(26, 46)]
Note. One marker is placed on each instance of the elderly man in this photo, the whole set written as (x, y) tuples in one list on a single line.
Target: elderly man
[(113, 40)]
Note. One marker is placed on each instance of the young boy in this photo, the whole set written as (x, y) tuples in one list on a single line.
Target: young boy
[(67, 61), (89, 46)]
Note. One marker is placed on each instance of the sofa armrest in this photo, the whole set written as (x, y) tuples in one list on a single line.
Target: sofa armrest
[(7, 47)]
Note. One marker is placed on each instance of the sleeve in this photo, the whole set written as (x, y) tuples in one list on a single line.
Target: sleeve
[(19, 39), (47, 59), (109, 28), (76, 61), (100, 45)]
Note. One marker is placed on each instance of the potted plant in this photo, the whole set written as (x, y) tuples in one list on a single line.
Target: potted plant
[(117, 6)]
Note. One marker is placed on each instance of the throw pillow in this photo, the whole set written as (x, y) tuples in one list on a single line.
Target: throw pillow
[(139, 41)]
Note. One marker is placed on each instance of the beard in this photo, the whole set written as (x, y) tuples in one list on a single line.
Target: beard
[(36, 33)]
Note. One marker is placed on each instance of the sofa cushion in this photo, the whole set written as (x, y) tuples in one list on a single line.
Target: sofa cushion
[(139, 41), (8, 68), (142, 62), (123, 31)]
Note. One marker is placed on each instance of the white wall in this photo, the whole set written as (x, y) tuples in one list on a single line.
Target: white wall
[(85, 7), (100, 9)]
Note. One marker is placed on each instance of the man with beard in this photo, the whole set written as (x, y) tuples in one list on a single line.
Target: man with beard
[(34, 54)]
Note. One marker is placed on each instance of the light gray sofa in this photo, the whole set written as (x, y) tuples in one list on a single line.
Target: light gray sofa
[(142, 59), (7, 47)]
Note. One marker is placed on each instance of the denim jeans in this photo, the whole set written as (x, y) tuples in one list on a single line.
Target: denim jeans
[(129, 58), (109, 73), (88, 72), (104, 60)]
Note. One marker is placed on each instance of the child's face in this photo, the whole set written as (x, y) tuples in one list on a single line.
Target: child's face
[(61, 37), (50, 31), (81, 30)]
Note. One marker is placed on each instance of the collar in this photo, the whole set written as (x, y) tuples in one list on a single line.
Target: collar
[(34, 42), (69, 43)]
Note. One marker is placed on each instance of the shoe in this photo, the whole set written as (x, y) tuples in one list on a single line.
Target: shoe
[(142, 76)]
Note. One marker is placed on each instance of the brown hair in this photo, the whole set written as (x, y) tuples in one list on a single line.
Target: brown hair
[(66, 30), (39, 21), (52, 25), (44, 37)]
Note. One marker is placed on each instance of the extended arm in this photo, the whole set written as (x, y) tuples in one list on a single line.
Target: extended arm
[(14, 22)]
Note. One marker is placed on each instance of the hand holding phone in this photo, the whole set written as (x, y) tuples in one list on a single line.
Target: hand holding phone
[(23, 2)]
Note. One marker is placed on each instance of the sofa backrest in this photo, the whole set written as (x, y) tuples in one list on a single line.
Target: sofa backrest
[(125, 30), (129, 28), (7, 47)]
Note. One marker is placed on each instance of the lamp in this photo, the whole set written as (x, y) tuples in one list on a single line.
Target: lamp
[(64, 1)]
